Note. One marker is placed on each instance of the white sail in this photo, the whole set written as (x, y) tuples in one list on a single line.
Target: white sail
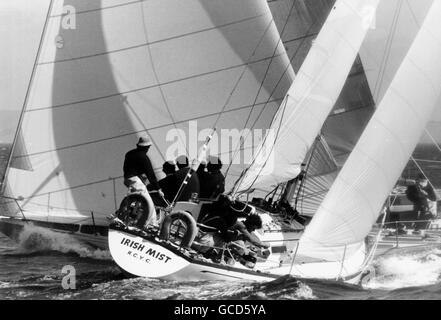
[(299, 22), (129, 68), (355, 200), (397, 23), (312, 95), (341, 131)]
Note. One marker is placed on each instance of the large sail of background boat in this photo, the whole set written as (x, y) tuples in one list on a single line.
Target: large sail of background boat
[(126, 70), (345, 217)]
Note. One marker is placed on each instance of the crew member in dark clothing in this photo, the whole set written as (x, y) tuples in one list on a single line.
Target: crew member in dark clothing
[(221, 225), (192, 184), (137, 170), (420, 193), (203, 177), (215, 181), (169, 184)]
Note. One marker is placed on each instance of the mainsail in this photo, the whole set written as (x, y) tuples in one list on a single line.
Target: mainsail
[(130, 68), (355, 200), (311, 97)]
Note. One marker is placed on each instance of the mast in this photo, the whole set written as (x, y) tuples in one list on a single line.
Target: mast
[(25, 102)]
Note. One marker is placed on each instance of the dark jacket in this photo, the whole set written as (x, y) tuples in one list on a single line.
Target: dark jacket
[(169, 186), (192, 185), (214, 186), (137, 163), (218, 215), (203, 177), (419, 199)]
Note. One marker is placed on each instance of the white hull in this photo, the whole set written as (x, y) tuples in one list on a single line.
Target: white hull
[(153, 258)]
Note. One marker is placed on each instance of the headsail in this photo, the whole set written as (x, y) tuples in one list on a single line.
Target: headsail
[(300, 22), (355, 200), (127, 68), (341, 132), (312, 95), (397, 24)]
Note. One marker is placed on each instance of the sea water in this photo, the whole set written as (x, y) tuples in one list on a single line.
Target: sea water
[(33, 269)]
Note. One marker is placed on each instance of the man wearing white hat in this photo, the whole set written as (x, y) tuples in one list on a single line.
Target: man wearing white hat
[(137, 170)]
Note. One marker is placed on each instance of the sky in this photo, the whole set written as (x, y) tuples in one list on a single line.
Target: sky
[(21, 24)]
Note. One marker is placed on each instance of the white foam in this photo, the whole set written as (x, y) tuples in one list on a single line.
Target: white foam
[(34, 239), (4, 285), (305, 292), (401, 271)]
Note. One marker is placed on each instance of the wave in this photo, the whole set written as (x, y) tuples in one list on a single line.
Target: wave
[(285, 288), (35, 240), (404, 271)]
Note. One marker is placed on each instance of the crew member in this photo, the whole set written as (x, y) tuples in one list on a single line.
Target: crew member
[(421, 194), (192, 186), (221, 225), (214, 181), (137, 171), (202, 177), (169, 184)]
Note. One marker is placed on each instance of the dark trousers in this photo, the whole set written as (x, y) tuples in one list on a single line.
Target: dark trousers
[(422, 216)]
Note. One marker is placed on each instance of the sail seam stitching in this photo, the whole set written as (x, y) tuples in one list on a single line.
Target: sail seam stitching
[(150, 87), (139, 131), (147, 43)]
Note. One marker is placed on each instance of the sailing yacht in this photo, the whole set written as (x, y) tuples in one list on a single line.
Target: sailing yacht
[(95, 89), (333, 244)]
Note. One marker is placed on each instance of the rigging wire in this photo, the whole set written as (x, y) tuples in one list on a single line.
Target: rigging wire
[(194, 168), (286, 98), (303, 40), (244, 70), (242, 141), (305, 173), (155, 73), (433, 139), (240, 180)]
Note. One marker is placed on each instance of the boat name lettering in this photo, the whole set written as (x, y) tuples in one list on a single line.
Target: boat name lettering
[(148, 251)]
